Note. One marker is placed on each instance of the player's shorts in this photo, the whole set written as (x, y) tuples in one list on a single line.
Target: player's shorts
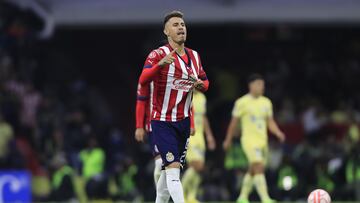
[(255, 152), (195, 152), (171, 139), (154, 149)]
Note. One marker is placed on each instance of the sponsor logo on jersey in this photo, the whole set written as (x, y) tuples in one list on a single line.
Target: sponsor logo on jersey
[(181, 84)]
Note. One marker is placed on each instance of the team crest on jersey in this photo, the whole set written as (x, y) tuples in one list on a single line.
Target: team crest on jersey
[(181, 84), (169, 157)]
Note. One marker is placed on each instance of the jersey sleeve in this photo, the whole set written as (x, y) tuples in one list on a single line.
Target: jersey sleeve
[(151, 66), (202, 74), (143, 93), (238, 109)]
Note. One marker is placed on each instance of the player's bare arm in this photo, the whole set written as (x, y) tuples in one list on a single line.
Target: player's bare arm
[(274, 128), (192, 124), (230, 132), (208, 134)]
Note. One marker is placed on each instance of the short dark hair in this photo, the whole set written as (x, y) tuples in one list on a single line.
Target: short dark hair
[(253, 77), (173, 14)]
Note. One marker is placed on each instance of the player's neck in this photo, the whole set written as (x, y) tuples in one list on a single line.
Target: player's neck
[(254, 95), (179, 47)]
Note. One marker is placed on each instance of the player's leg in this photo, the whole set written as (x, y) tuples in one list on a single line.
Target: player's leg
[(173, 182), (246, 188), (196, 167), (159, 133), (247, 183), (174, 163), (162, 192), (258, 169), (192, 177), (171, 144), (157, 158), (157, 168)]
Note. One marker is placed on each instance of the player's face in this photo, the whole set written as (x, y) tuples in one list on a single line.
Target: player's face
[(175, 30), (257, 87)]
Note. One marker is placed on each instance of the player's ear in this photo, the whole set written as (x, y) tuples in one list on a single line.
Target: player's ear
[(166, 32)]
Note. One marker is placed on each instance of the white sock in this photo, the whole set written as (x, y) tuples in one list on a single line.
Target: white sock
[(174, 185), (157, 170), (162, 192)]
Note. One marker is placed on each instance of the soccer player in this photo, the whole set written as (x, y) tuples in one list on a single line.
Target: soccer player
[(176, 71), (143, 118), (196, 150), (253, 112)]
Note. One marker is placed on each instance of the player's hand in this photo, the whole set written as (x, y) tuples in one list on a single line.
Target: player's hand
[(192, 131), (192, 78), (226, 144), (199, 84), (211, 143), (168, 59), (281, 137), (140, 134)]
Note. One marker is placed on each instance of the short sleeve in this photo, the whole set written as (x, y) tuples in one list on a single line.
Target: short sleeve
[(238, 109)]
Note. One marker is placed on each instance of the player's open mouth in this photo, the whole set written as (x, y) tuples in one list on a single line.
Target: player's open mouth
[(181, 33)]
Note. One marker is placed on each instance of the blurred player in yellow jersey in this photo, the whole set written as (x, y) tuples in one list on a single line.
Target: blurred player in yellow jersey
[(197, 147), (253, 112)]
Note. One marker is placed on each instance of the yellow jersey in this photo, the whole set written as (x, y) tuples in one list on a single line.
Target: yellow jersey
[(253, 114), (199, 107)]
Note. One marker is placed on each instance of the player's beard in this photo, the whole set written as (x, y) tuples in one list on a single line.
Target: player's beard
[(182, 40), (179, 41)]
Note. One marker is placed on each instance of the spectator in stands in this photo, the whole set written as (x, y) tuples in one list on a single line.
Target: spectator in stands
[(124, 178), (62, 181), (6, 136), (352, 173), (76, 131), (93, 164)]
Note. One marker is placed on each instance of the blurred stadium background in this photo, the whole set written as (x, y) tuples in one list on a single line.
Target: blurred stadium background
[(68, 76)]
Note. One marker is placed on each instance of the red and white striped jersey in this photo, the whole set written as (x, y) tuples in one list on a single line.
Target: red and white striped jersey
[(173, 87)]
